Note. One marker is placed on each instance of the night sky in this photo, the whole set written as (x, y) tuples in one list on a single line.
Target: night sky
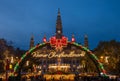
[(99, 19)]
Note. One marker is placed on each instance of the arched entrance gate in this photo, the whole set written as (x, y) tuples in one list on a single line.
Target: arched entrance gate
[(58, 42), (96, 60)]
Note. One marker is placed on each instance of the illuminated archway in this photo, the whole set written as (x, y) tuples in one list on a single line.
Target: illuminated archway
[(100, 65), (26, 54)]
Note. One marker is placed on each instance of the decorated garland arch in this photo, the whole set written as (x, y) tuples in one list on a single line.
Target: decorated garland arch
[(100, 65), (25, 55)]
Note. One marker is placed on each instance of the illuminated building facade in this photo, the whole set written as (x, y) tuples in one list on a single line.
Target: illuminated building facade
[(58, 55)]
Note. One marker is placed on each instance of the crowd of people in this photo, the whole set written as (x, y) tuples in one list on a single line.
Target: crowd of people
[(95, 78), (76, 78)]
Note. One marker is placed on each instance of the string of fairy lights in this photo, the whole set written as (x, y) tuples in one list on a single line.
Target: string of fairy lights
[(24, 55), (100, 65)]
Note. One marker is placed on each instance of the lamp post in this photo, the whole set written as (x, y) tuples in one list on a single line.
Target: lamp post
[(27, 63), (102, 59), (119, 65), (7, 68)]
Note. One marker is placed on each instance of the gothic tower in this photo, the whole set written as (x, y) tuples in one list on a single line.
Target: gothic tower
[(86, 41), (32, 41), (58, 26)]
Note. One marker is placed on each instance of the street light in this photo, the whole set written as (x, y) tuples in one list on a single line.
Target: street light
[(27, 63), (12, 60), (101, 58)]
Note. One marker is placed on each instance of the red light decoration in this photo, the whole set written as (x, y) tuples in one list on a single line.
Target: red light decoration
[(58, 43), (44, 39), (73, 39)]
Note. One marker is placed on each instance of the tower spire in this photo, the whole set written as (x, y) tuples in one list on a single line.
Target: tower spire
[(86, 41), (58, 26), (32, 41), (58, 11)]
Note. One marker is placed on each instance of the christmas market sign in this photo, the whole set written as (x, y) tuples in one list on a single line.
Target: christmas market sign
[(54, 54)]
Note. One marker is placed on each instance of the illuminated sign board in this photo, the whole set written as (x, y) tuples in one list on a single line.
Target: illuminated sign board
[(54, 54)]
